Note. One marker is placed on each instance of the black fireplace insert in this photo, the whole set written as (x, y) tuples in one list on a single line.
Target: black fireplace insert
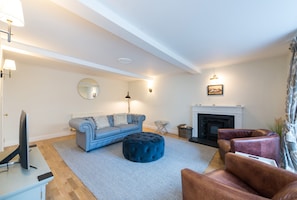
[(208, 125)]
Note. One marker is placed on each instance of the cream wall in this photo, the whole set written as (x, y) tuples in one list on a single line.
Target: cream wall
[(259, 86), (50, 96)]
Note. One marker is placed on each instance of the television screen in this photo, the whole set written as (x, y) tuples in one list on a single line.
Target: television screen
[(24, 142), (23, 148)]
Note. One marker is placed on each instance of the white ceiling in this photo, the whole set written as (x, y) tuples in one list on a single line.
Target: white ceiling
[(161, 37)]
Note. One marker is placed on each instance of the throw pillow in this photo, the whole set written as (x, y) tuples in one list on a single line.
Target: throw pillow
[(101, 121), (120, 119)]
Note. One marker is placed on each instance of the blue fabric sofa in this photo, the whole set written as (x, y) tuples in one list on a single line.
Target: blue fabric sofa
[(99, 131)]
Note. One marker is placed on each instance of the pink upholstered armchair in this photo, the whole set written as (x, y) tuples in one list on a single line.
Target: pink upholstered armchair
[(259, 142), (242, 178)]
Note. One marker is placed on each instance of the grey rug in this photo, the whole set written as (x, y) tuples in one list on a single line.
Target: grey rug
[(109, 176)]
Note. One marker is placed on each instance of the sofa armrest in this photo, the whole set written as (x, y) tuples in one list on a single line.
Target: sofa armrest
[(289, 192), (85, 132), (82, 125), (137, 119), (198, 186), (264, 146), (267, 180), (228, 134)]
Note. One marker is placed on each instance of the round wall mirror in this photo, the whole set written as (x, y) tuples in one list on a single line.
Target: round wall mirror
[(88, 88)]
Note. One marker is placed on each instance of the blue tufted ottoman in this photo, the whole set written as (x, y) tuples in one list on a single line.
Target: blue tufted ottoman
[(143, 147)]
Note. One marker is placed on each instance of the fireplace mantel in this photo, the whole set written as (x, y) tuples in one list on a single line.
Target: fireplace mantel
[(236, 111)]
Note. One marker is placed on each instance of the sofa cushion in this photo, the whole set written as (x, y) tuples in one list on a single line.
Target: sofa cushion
[(129, 118), (120, 119), (127, 127), (106, 132), (101, 122)]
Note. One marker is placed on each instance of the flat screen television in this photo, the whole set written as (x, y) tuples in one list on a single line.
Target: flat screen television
[(23, 148)]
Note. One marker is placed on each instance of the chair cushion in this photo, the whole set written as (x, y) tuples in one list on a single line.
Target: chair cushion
[(230, 180)]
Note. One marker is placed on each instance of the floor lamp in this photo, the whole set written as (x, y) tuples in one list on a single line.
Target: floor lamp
[(128, 98)]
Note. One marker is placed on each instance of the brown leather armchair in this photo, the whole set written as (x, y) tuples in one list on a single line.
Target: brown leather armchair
[(242, 178), (259, 142)]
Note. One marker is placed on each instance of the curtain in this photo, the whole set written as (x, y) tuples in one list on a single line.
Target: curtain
[(289, 133)]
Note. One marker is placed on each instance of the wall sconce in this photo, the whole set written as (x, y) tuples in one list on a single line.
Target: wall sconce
[(214, 77), (8, 65), (128, 98), (150, 85), (11, 12)]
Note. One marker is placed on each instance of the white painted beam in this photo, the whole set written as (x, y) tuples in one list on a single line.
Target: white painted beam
[(96, 13), (39, 52)]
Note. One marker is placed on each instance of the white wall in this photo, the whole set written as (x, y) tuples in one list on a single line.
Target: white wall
[(260, 86), (50, 96)]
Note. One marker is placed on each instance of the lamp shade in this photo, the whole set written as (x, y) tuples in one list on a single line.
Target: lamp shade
[(128, 96), (9, 64), (12, 11)]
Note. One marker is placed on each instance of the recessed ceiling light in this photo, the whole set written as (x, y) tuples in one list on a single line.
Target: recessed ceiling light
[(125, 60)]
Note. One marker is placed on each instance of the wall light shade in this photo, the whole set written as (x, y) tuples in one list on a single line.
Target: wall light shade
[(9, 64), (128, 96), (11, 11), (150, 85)]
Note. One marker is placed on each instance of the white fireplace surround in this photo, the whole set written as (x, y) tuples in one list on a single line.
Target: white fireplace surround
[(235, 111)]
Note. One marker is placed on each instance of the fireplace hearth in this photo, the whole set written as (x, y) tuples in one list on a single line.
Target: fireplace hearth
[(208, 119)]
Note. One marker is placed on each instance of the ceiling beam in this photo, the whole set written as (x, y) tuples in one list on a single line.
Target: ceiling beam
[(96, 13), (43, 53)]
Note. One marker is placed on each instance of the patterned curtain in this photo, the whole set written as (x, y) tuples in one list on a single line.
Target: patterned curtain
[(289, 134)]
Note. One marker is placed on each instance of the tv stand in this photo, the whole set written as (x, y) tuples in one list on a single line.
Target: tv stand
[(19, 183)]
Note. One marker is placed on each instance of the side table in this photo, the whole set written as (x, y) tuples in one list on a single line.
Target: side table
[(161, 126), (18, 183)]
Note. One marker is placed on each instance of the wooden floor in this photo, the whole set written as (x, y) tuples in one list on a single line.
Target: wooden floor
[(66, 186)]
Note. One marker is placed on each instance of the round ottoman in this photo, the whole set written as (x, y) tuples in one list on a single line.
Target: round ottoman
[(143, 147)]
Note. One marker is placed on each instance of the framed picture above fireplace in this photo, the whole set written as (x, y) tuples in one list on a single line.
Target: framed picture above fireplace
[(215, 89)]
